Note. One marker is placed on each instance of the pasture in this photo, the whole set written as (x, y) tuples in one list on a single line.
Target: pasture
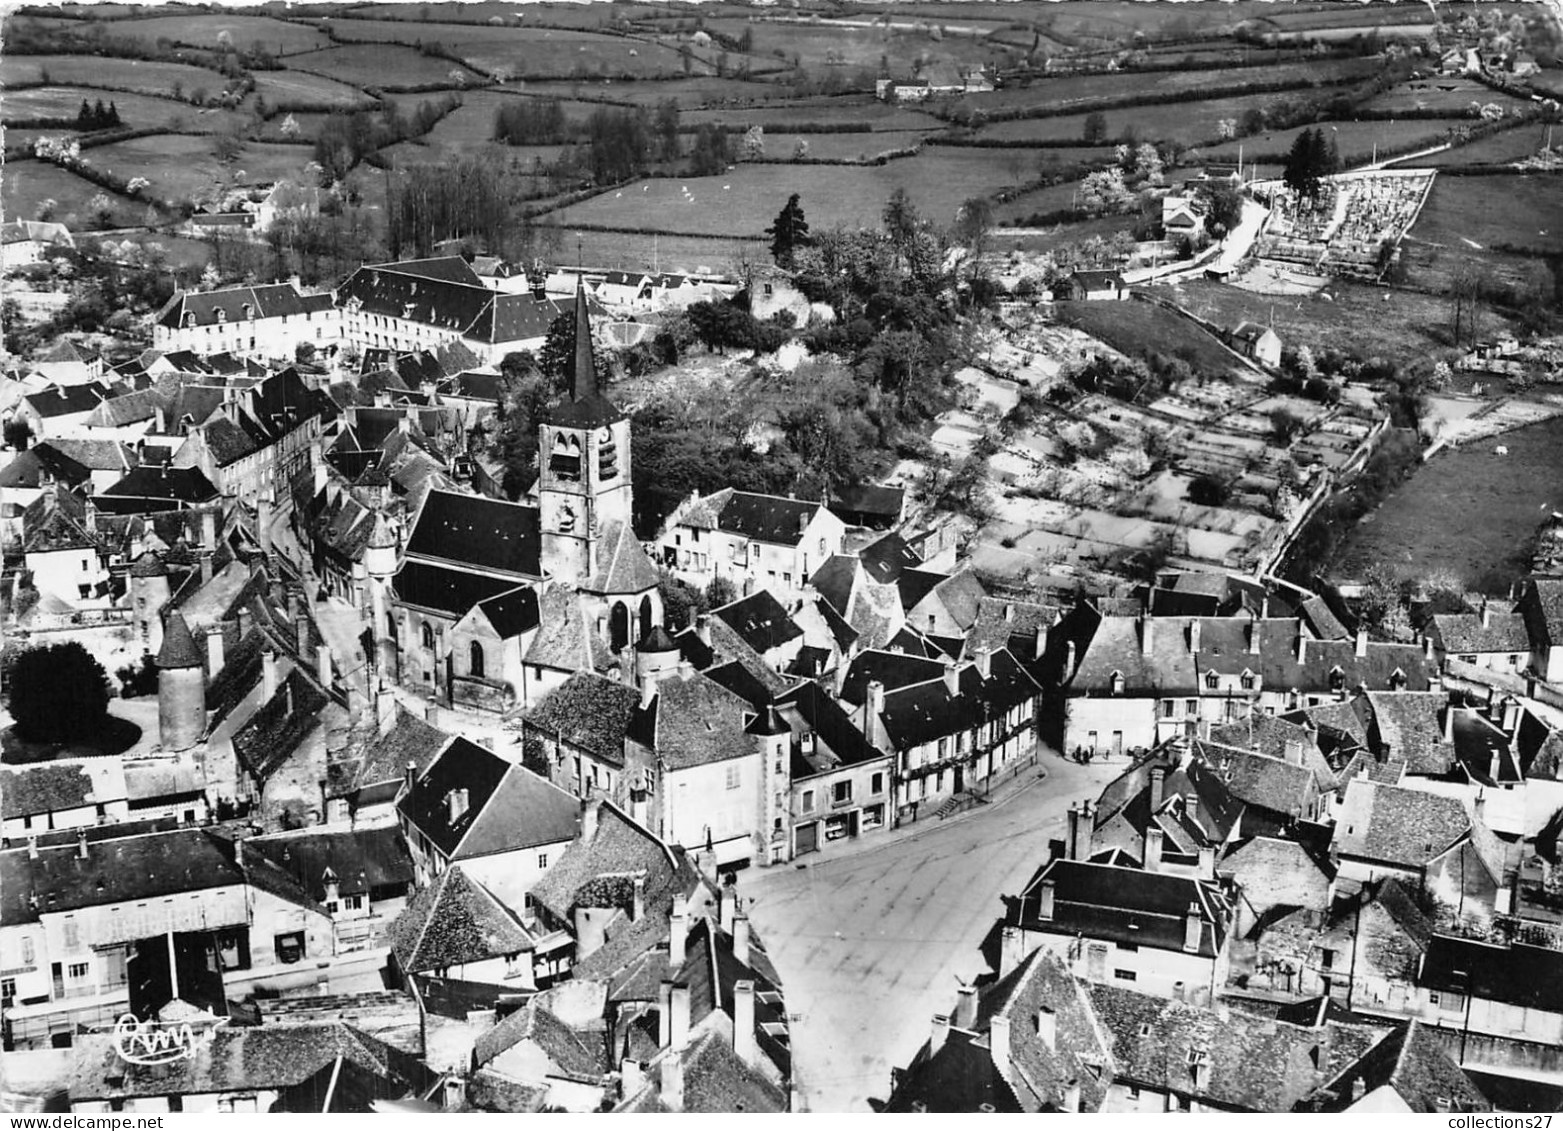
[(742, 202), (136, 75), (181, 168), (207, 29), (1501, 148), (297, 88), (632, 251), (384, 65), (1357, 142), (1192, 123), (691, 93), (1467, 510), (1135, 328), (1450, 94), (858, 112), (813, 44), (509, 14), (136, 111), (526, 52), (27, 183), (1502, 223)]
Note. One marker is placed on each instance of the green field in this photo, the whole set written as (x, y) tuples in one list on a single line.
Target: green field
[(1357, 142), (1191, 123), (742, 202), (861, 46), (524, 51), (628, 251), (858, 111), (27, 183), (181, 167), (136, 111), (246, 33), (1467, 510), (1451, 94), (484, 12), (1491, 221), (1136, 328), (383, 65), (689, 93), (1502, 148), (296, 87), (1405, 327), (109, 74)]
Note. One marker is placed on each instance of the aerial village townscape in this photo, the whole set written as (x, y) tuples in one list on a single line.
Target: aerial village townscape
[(799, 556)]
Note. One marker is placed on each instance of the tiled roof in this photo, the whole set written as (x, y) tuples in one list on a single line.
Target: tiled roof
[(624, 566), (31, 791), (1408, 827), (39, 464), (1412, 1062), (454, 921), (1473, 632), (619, 847), (179, 648), (280, 726), (698, 721), (580, 1054), (1542, 607), (1407, 726), (359, 860), (564, 640), (1282, 787), (96, 455), (410, 739), (590, 712)]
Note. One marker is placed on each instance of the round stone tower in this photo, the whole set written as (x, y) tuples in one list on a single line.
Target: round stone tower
[(181, 687), (656, 655), (148, 595)]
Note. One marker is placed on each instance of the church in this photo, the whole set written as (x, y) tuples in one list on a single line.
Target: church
[(494, 604)]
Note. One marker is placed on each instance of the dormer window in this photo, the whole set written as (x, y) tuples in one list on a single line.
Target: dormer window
[(1397, 680), (249, 312), (1117, 683), (1212, 680), (222, 315), (1248, 681), (189, 320), (1337, 679)]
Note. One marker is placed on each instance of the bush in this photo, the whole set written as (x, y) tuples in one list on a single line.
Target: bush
[(136, 680), (1208, 491), (59, 693)]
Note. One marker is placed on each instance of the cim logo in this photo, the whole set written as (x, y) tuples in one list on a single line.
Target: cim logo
[(160, 1042)]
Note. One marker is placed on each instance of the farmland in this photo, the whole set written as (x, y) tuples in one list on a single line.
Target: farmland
[(290, 88), (386, 66), (135, 111), (180, 166), (1192, 123), (139, 75), (743, 201), (28, 183), (1357, 142), (1501, 148), (1501, 223), (1138, 328), (1449, 94), (1466, 510), (279, 37)]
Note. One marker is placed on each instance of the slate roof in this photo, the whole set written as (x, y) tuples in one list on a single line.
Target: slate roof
[(892, 669), (760, 620), (590, 712), (1542, 607), (446, 590), (39, 464), (455, 920), (886, 558), (960, 594), (1521, 975), (116, 871), (508, 806), (478, 533), (274, 300), (885, 502), (839, 741), (360, 860), (95, 455), (163, 486), (1101, 901), (67, 400), (512, 612), (179, 649), (1411, 1061), (765, 518), (924, 712)]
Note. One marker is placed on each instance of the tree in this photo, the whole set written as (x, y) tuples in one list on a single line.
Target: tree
[(1095, 130), (754, 143), (1208, 491), (1307, 162), (666, 128), (1284, 425), (17, 434), (788, 232), (1226, 207), (800, 151), (1103, 192), (59, 693), (1147, 163), (290, 126)]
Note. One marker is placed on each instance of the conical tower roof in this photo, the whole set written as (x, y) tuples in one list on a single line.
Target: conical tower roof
[(584, 406), (768, 721), (657, 640), (179, 650)]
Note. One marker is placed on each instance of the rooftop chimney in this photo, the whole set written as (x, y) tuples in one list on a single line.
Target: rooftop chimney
[(1193, 636), (965, 1007), (1158, 787), (638, 900), (1253, 636), (1302, 645), (1049, 893), (32, 846), (214, 651), (678, 1017), (209, 531), (456, 799), (741, 938), (745, 1045), (1362, 643), (1192, 929), (385, 710), (673, 1080), (1040, 644), (727, 903), (648, 689), (1486, 614), (1153, 842), (984, 660), (703, 628), (1449, 722), (1427, 647), (81, 843), (1072, 844), (678, 932), (323, 665), (268, 674), (873, 715), (409, 774), (1207, 862), (591, 810), (1292, 751), (1069, 660), (1147, 631), (952, 678), (939, 1033)]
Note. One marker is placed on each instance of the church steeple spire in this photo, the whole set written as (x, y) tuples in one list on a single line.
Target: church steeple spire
[(583, 373)]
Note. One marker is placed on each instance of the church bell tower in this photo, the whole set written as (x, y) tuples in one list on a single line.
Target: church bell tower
[(584, 465)]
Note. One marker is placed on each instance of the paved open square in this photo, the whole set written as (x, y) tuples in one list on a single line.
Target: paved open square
[(870, 946)]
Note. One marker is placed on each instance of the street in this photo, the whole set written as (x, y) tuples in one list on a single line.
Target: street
[(869, 946)]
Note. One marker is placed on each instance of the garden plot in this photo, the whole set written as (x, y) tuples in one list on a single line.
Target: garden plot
[(989, 394)]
